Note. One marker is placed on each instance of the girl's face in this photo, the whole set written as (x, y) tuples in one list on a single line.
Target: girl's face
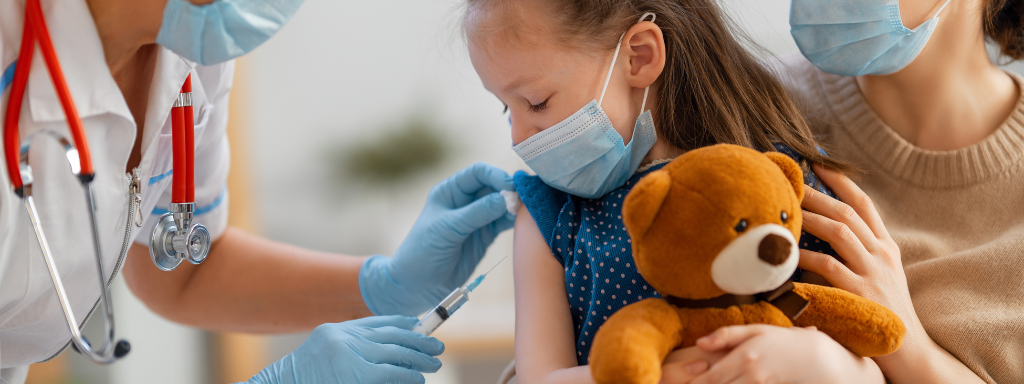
[(542, 81)]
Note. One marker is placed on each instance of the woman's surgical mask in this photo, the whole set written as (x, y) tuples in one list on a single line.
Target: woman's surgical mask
[(857, 37), (221, 30), (584, 155)]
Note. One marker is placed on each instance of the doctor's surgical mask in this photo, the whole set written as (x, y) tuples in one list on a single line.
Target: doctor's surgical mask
[(222, 30), (584, 155)]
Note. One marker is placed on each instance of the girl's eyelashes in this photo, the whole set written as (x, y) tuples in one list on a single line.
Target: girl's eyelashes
[(539, 107), (506, 109)]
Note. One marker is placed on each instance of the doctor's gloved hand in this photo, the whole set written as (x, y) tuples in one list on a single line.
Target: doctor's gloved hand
[(370, 350), (463, 215)]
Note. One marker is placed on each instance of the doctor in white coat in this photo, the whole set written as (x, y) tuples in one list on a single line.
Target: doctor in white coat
[(125, 62)]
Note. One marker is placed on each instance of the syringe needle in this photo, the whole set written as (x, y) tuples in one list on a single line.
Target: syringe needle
[(496, 265), (476, 282)]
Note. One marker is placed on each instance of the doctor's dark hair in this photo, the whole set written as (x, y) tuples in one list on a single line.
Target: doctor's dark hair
[(1004, 25), (712, 89)]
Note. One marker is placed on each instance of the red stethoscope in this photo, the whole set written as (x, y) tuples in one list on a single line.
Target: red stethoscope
[(174, 235)]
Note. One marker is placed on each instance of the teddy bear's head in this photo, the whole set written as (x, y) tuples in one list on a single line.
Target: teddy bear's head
[(717, 220)]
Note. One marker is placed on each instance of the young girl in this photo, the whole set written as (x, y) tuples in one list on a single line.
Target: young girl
[(602, 92)]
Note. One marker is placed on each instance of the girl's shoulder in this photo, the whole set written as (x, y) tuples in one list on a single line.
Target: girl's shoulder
[(548, 205)]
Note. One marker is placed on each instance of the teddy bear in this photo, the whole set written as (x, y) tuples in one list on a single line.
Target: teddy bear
[(714, 232)]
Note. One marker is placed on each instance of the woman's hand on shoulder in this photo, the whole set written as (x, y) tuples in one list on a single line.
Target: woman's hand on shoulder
[(871, 265), (758, 353)]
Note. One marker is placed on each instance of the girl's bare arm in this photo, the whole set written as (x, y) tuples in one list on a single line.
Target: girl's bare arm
[(545, 341)]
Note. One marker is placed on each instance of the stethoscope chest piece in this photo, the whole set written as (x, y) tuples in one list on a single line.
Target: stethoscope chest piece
[(175, 238)]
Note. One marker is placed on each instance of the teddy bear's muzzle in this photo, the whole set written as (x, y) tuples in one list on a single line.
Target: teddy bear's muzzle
[(759, 260)]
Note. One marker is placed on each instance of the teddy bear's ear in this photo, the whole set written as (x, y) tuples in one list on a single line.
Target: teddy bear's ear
[(644, 201), (792, 171)]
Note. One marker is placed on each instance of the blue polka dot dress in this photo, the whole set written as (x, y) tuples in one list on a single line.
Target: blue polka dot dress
[(589, 240)]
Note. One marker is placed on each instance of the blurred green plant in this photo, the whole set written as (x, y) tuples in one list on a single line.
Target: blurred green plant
[(401, 152)]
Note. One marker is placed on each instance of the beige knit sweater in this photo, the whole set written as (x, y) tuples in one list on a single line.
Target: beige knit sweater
[(957, 216)]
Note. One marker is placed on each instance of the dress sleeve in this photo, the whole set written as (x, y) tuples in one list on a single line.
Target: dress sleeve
[(544, 204)]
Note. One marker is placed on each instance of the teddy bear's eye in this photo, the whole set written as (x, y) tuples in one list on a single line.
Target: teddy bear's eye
[(785, 217), (741, 226)]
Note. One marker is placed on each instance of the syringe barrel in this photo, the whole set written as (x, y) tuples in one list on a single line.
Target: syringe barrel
[(429, 323), (437, 316), (455, 300)]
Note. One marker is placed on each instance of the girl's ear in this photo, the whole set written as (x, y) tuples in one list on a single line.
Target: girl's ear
[(646, 50)]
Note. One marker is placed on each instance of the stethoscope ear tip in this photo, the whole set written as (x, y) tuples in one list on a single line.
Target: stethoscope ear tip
[(122, 348)]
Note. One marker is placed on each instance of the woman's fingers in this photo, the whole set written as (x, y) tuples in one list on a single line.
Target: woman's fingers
[(841, 238), (849, 192), (837, 274), (693, 353), (683, 365), (682, 373), (746, 379), (730, 369), (838, 211), (729, 337)]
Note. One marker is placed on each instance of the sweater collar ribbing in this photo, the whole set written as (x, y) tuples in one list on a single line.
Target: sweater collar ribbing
[(994, 155)]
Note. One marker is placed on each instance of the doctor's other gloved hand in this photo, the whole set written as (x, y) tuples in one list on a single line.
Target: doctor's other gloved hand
[(463, 215), (369, 350)]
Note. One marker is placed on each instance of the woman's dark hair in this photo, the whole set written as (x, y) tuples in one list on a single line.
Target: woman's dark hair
[(1004, 25), (712, 89)]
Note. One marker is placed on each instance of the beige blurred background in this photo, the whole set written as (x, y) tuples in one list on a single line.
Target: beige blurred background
[(314, 114)]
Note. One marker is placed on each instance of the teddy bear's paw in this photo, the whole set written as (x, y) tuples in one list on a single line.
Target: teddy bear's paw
[(631, 346), (866, 328)]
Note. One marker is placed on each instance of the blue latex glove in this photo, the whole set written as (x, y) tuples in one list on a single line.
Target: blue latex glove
[(462, 217), (370, 350)]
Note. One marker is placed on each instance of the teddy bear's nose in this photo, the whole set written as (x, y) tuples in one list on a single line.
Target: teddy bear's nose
[(774, 249)]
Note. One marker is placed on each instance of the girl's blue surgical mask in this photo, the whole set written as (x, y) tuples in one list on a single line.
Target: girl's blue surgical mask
[(857, 37), (584, 155), (221, 30)]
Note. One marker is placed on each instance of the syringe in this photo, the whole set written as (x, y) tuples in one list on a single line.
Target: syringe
[(437, 316)]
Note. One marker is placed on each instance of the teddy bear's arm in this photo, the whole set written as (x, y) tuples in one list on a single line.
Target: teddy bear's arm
[(631, 346), (861, 325)]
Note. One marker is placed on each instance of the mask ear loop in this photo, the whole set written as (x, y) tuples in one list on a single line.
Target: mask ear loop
[(615, 57), (608, 78), (942, 8)]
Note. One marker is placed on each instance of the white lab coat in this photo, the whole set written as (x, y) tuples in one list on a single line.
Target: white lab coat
[(32, 326)]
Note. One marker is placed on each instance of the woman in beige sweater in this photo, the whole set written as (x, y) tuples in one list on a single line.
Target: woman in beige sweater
[(941, 144)]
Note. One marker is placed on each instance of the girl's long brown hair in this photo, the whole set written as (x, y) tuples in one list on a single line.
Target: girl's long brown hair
[(712, 89)]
